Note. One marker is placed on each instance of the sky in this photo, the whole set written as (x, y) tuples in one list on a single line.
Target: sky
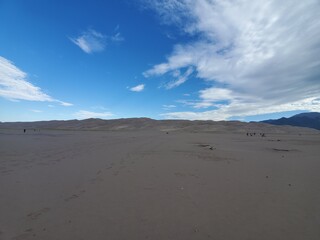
[(163, 59)]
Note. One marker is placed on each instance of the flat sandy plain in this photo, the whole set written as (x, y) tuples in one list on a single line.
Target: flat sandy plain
[(147, 184)]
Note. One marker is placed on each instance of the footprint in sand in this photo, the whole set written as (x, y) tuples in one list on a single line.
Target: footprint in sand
[(206, 146), (35, 215), (71, 197), (7, 171), (193, 175), (95, 180), (178, 174), (24, 236), (203, 145), (110, 166), (74, 196), (281, 150)]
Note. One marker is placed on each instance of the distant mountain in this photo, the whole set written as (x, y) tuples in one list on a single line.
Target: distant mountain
[(310, 120)]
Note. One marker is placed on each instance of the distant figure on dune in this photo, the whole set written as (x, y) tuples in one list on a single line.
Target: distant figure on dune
[(24, 130)]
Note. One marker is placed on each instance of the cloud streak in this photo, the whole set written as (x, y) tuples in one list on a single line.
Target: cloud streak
[(242, 109), (138, 88), (36, 111), (259, 57), (92, 41), (168, 107), (14, 85), (83, 114), (181, 78)]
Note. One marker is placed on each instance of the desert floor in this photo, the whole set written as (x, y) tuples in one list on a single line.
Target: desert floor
[(152, 185)]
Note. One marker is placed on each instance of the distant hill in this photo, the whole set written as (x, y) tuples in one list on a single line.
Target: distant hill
[(128, 124), (310, 120)]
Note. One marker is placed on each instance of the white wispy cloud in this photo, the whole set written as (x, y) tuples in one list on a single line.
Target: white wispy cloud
[(90, 41), (138, 88), (168, 107), (83, 114), (99, 107), (66, 104), (196, 103), (36, 110), (259, 56), (14, 85), (242, 109), (180, 78), (117, 37)]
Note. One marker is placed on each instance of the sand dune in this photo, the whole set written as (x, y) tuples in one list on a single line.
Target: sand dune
[(151, 124), (158, 180)]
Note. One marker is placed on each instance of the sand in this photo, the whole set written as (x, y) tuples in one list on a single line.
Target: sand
[(144, 184)]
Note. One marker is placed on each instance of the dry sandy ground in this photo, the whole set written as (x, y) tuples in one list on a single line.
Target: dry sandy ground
[(152, 185)]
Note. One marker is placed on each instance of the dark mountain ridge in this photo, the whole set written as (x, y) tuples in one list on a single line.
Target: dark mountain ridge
[(309, 120)]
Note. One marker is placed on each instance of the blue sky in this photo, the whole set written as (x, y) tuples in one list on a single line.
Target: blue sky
[(176, 59)]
